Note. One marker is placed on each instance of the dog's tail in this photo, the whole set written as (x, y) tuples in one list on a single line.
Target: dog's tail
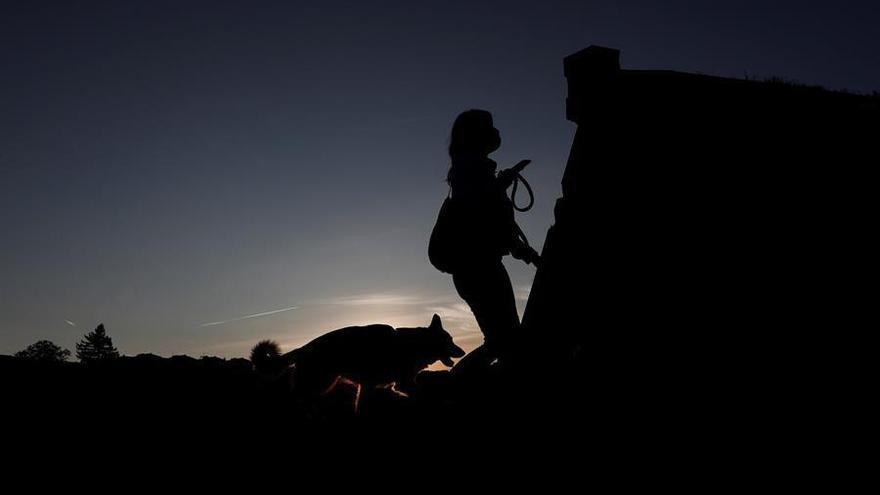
[(267, 358)]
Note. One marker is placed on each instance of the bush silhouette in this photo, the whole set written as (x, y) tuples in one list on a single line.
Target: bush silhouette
[(96, 346), (44, 351)]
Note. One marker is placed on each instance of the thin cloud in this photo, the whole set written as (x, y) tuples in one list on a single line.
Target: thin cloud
[(453, 311), (374, 300), (521, 292), (255, 315)]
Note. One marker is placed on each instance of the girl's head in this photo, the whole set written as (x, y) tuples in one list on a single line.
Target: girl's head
[(473, 135)]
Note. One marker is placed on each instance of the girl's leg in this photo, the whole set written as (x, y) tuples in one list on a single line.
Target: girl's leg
[(489, 293)]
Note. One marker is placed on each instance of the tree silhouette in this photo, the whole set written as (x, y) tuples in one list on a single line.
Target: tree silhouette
[(96, 346), (44, 351)]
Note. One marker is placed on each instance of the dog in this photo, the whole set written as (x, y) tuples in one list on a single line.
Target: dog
[(366, 356)]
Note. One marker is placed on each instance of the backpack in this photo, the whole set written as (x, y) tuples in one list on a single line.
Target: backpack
[(445, 250)]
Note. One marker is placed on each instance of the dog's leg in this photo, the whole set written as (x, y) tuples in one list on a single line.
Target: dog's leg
[(332, 386), (357, 398)]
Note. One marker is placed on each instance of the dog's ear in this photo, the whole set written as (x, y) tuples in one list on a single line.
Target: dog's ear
[(435, 322)]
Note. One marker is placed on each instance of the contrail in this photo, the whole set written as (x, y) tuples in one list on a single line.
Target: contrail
[(70, 323), (255, 315)]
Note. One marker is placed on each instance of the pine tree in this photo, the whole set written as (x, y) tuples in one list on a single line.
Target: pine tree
[(96, 346)]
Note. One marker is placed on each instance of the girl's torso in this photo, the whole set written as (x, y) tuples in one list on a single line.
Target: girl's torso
[(486, 214)]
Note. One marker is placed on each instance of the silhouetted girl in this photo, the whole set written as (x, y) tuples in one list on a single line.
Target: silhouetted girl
[(486, 221)]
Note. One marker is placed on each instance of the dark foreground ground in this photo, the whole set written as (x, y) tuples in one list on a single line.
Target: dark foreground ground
[(143, 393)]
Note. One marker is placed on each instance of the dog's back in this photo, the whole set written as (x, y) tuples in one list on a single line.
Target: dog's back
[(364, 354)]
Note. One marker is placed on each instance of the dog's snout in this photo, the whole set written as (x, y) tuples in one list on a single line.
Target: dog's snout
[(456, 351)]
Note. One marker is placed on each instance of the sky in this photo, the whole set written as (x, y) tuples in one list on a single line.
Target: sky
[(200, 175)]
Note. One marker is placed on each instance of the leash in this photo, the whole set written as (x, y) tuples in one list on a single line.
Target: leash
[(516, 180)]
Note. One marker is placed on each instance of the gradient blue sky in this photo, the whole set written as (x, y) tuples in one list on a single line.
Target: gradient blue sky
[(166, 166)]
